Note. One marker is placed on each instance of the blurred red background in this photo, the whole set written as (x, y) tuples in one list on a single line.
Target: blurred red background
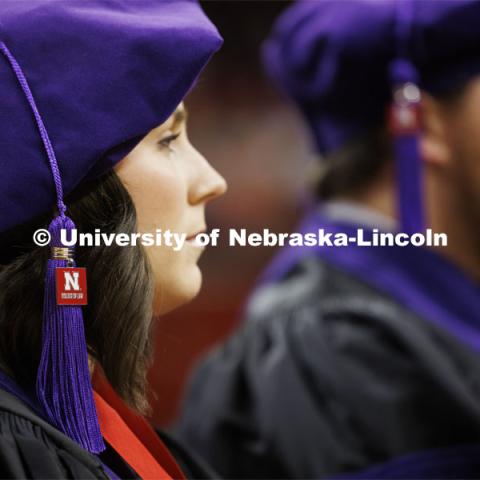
[(256, 141)]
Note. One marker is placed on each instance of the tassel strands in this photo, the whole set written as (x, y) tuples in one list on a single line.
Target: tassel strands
[(63, 381)]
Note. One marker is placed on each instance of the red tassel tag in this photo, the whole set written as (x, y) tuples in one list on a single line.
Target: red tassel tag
[(71, 286), (404, 119)]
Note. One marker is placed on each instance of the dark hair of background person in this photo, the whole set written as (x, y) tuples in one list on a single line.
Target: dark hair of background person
[(359, 162), (118, 316)]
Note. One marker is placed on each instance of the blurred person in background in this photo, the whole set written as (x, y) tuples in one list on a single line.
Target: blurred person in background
[(351, 357)]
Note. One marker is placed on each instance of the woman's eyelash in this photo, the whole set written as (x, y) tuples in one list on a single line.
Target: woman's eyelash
[(165, 142)]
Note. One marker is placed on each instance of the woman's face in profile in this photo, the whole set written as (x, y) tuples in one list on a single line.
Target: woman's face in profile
[(170, 183)]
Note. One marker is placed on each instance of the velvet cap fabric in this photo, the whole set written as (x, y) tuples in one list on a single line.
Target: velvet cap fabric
[(103, 73), (332, 58)]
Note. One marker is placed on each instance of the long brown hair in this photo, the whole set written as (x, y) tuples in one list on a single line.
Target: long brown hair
[(118, 316)]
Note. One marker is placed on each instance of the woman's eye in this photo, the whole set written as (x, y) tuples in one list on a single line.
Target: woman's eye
[(166, 142)]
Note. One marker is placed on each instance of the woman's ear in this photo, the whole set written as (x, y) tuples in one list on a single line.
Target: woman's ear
[(434, 140)]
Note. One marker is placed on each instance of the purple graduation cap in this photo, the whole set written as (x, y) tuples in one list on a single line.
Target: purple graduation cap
[(343, 63), (81, 82)]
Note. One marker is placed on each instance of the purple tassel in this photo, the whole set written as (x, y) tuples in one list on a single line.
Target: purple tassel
[(409, 184), (404, 124), (64, 387)]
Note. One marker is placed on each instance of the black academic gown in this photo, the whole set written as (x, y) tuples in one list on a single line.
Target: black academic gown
[(327, 376), (32, 448)]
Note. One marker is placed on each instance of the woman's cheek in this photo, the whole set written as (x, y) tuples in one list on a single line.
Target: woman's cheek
[(160, 200), (154, 180)]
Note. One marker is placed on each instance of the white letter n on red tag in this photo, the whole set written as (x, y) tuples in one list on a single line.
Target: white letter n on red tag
[(71, 286)]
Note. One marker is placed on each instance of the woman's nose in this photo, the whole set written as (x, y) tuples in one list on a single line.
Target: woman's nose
[(207, 185)]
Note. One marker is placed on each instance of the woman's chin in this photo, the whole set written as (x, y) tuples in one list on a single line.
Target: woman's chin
[(178, 292)]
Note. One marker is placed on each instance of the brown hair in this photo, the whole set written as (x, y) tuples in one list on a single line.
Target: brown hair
[(353, 165), (118, 316)]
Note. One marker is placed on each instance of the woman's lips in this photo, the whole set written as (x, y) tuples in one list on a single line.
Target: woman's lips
[(192, 238)]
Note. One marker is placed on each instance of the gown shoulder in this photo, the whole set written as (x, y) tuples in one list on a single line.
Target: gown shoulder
[(31, 448)]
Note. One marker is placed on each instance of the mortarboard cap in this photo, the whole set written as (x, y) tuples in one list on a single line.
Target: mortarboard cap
[(332, 58), (103, 73)]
